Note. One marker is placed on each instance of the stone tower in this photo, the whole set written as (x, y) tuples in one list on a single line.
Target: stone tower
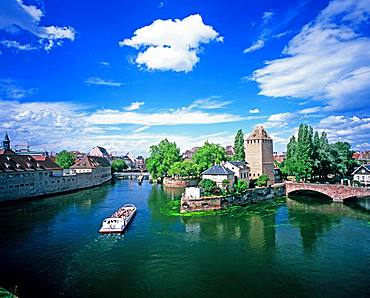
[(259, 154), (6, 142)]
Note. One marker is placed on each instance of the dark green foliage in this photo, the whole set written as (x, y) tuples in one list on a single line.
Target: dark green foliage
[(312, 157), (118, 165), (183, 168), (262, 180), (162, 157), (65, 159), (208, 186), (208, 155), (239, 146)]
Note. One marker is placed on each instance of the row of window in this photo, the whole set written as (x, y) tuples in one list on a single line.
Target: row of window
[(24, 175), (258, 141)]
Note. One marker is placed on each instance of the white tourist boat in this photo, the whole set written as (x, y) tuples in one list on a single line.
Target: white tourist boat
[(119, 220)]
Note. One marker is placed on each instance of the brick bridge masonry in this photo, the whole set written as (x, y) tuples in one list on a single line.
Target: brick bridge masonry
[(338, 193)]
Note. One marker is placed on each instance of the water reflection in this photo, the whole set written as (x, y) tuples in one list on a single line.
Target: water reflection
[(292, 244)]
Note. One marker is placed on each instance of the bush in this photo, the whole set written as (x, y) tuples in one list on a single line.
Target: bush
[(356, 183), (241, 186), (262, 180), (208, 186)]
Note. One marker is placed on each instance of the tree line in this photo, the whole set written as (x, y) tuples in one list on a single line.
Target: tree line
[(310, 156)]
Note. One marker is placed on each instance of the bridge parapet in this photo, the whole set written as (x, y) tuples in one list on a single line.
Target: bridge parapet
[(337, 192)]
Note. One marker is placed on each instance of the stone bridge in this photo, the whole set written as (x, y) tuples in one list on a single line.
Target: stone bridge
[(338, 193)]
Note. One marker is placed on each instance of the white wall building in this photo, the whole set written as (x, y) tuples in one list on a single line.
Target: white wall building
[(362, 174)]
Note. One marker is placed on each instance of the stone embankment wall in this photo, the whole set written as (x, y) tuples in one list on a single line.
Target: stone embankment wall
[(180, 182), (253, 195), (41, 183)]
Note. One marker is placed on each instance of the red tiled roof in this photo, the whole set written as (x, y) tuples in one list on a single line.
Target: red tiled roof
[(91, 162)]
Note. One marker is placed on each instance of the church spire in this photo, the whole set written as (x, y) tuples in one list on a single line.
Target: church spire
[(6, 142)]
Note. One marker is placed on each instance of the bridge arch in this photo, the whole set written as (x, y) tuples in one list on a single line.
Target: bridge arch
[(315, 193), (338, 193)]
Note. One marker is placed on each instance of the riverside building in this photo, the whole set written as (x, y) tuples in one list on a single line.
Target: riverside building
[(26, 176)]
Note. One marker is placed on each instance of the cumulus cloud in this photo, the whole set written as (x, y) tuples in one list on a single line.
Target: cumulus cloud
[(102, 82), (328, 60), (134, 106), (279, 120), (171, 44), (354, 130), (255, 46), (254, 111), (15, 16)]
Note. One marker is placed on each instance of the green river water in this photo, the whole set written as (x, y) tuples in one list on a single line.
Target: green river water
[(292, 247)]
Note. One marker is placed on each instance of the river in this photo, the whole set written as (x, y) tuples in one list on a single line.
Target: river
[(294, 247)]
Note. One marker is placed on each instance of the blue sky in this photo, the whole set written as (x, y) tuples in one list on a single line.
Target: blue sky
[(125, 74)]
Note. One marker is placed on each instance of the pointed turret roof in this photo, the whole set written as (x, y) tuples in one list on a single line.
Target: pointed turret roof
[(6, 138), (259, 133)]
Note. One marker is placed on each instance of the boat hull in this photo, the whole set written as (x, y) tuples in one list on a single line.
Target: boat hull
[(122, 222)]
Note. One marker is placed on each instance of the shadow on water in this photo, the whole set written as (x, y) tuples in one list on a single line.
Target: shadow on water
[(315, 214)]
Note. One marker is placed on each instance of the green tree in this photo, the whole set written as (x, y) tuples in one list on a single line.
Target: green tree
[(262, 180), (65, 159), (183, 168), (208, 186), (239, 154), (118, 165), (311, 156), (344, 164), (208, 155), (241, 186), (162, 157)]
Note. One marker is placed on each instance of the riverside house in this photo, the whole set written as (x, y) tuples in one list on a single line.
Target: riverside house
[(362, 174), (219, 173), (239, 168)]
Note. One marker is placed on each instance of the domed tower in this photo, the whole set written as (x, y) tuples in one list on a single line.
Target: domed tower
[(6, 142), (259, 154)]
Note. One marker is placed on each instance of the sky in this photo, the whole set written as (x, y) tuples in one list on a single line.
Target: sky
[(126, 74)]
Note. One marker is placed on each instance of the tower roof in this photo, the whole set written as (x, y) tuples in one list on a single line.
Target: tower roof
[(259, 133), (6, 138)]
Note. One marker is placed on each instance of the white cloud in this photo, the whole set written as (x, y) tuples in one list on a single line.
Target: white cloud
[(310, 110), (354, 130), (15, 15), (210, 103), (255, 46), (105, 63), (142, 128), (267, 16), (10, 90), (134, 106), (279, 120), (281, 117), (171, 44), (16, 45), (180, 116), (328, 60), (102, 82), (254, 111), (282, 34), (57, 125)]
